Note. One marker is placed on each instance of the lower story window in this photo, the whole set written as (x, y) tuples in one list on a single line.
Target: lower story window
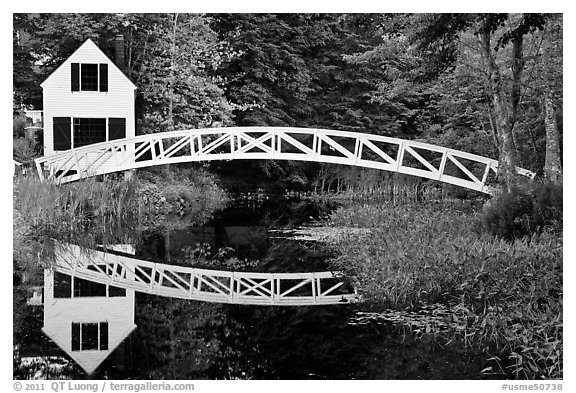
[(67, 287), (75, 132), (88, 131), (89, 336)]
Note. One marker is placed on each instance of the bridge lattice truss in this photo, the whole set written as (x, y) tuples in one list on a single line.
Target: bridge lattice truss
[(278, 289), (301, 144)]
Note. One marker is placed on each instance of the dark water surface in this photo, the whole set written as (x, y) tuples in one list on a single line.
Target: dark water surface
[(182, 339)]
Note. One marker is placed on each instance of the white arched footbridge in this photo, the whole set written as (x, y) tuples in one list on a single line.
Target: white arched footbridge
[(277, 143), (276, 289)]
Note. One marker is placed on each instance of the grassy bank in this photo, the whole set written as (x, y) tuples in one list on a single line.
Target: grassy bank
[(108, 211), (504, 297)]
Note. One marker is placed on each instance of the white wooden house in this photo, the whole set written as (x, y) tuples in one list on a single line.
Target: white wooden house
[(88, 99), (86, 319)]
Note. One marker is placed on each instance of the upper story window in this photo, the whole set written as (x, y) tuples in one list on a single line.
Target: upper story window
[(89, 77)]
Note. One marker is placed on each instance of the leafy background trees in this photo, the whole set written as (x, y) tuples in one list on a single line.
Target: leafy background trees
[(490, 84)]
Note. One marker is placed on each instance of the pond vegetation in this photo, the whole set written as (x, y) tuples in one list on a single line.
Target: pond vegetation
[(500, 293)]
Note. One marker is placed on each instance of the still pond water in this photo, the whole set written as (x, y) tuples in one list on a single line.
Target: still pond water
[(182, 339)]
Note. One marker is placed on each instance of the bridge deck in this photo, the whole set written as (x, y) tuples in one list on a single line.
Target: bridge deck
[(278, 143)]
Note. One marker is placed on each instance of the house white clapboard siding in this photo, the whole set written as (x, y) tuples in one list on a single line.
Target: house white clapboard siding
[(88, 99), (86, 320)]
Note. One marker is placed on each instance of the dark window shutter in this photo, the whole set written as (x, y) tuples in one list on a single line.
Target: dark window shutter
[(116, 128), (62, 133), (75, 336), (62, 285), (103, 336), (75, 77), (103, 77)]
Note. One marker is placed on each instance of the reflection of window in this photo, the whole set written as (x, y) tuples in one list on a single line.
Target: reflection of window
[(89, 336), (85, 288), (65, 287), (88, 131)]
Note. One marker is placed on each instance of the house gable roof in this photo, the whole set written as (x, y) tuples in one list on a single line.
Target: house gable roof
[(91, 46), (87, 359)]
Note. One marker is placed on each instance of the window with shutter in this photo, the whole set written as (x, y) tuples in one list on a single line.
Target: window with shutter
[(89, 77), (62, 133)]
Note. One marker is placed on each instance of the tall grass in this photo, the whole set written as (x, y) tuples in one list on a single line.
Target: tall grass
[(505, 296), (87, 213), (106, 211)]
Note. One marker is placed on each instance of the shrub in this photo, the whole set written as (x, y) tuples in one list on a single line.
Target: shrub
[(24, 150), (524, 211), (178, 198), (19, 122)]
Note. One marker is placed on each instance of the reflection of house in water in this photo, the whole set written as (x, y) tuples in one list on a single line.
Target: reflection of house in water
[(87, 320), (248, 240)]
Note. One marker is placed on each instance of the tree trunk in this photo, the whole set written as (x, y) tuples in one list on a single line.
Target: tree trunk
[(517, 68), (172, 75), (167, 245), (504, 115), (493, 126), (553, 163)]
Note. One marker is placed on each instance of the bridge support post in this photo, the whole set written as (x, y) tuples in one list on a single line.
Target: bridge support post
[(129, 174)]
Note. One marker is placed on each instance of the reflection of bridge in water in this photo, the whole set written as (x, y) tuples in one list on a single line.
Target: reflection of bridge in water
[(278, 289)]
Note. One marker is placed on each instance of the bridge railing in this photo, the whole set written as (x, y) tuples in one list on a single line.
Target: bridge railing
[(276, 143)]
